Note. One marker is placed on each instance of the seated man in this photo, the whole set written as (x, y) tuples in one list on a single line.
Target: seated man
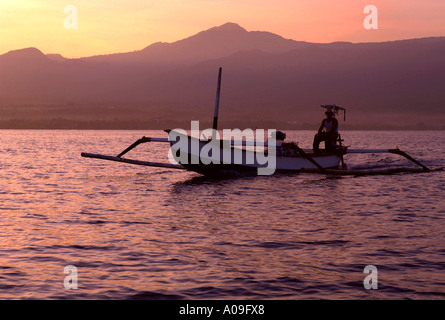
[(330, 124)]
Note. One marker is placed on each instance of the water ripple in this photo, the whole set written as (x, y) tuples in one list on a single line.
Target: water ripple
[(147, 233)]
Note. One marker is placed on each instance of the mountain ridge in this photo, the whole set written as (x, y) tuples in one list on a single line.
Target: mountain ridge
[(265, 78)]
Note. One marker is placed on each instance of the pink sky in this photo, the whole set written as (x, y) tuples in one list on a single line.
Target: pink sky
[(106, 26)]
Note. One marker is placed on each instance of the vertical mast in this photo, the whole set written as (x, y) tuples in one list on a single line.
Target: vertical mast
[(215, 116)]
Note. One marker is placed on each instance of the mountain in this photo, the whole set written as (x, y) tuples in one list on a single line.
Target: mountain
[(267, 81), (56, 56), (217, 42)]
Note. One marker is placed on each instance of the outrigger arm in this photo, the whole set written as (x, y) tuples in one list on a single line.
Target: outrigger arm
[(139, 141), (394, 151), (132, 161), (119, 158)]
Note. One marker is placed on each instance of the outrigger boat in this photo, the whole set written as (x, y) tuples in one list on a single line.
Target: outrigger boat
[(214, 156)]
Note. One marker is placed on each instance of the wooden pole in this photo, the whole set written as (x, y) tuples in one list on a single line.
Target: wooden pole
[(142, 140), (308, 157), (394, 151), (369, 172), (131, 161), (134, 145), (218, 92), (404, 154)]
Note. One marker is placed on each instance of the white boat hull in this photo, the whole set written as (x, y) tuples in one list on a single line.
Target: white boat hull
[(197, 155)]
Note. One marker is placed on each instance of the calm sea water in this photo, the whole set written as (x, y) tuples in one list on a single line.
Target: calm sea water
[(147, 233)]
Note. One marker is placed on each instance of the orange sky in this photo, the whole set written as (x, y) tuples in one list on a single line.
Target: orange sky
[(108, 26)]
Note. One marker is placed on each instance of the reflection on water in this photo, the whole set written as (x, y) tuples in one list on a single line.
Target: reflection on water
[(148, 233)]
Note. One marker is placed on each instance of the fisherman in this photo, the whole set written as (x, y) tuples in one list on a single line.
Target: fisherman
[(327, 132)]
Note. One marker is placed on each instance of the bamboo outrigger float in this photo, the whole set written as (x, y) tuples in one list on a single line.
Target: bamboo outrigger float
[(230, 155)]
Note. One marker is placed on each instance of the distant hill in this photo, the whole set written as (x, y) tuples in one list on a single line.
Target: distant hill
[(217, 42), (267, 81)]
